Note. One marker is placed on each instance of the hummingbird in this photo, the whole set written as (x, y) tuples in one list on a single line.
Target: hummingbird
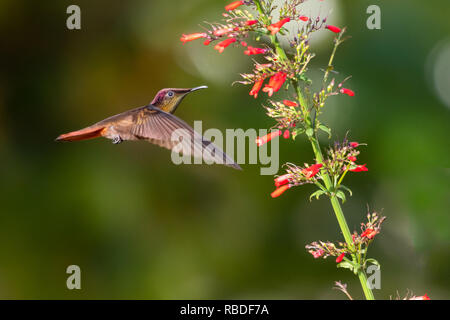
[(156, 123)]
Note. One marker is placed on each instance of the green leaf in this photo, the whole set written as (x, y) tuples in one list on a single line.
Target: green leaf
[(341, 195), (303, 77), (346, 265), (297, 131), (309, 132), (325, 129), (373, 261), (346, 189), (316, 194)]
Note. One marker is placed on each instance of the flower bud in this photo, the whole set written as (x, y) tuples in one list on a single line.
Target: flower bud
[(275, 27), (281, 180), (251, 22), (333, 28), (359, 168), (339, 259), (225, 43), (251, 51), (348, 92), (290, 103), (264, 139), (279, 191), (256, 87), (233, 5), (193, 36)]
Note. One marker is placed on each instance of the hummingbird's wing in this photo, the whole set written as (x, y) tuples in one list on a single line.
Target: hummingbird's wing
[(169, 131)]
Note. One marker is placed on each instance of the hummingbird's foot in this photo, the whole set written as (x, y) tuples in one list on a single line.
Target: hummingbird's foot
[(117, 140)]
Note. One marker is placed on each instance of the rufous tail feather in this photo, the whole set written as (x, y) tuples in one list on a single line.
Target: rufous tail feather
[(83, 134)]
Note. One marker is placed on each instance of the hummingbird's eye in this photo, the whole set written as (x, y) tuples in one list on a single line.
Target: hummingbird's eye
[(170, 93)]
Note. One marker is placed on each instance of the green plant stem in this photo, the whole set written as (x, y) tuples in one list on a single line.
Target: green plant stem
[(340, 217), (318, 154)]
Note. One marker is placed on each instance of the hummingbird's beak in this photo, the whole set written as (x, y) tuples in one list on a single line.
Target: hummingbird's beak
[(198, 88)]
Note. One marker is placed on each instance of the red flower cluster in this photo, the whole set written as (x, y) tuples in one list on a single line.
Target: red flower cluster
[(369, 233), (275, 83), (275, 27), (312, 170)]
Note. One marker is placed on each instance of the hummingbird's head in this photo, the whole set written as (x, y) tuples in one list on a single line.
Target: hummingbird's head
[(169, 99)]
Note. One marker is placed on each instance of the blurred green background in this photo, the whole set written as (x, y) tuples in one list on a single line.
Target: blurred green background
[(141, 227)]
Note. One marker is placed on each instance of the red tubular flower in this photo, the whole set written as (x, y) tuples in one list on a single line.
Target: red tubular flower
[(264, 139), (281, 180), (333, 28), (275, 83), (221, 32), (250, 50), (251, 22), (424, 297), (225, 43), (312, 170), (354, 144), (279, 191), (243, 43), (303, 18), (286, 134), (352, 158), (193, 36), (256, 87), (359, 168), (290, 103), (339, 259), (234, 5), (275, 27), (369, 233), (348, 92), (317, 254), (207, 42)]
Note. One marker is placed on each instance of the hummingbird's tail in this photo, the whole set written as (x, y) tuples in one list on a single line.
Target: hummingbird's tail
[(83, 134)]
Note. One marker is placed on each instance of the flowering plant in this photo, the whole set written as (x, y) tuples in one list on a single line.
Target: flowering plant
[(298, 114)]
